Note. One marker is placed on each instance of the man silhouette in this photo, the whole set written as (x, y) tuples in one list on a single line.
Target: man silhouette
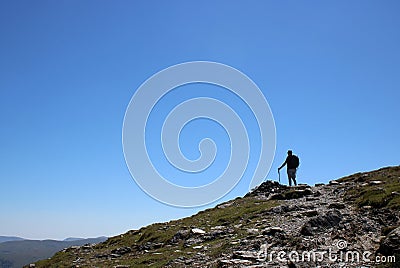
[(290, 168)]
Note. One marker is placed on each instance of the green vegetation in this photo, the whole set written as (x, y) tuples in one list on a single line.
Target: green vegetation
[(378, 189)]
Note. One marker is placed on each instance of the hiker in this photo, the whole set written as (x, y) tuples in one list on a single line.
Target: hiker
[(292, 162)]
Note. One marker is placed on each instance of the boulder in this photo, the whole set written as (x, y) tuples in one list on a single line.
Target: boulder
[(391, 244), (198, 231), (310, 213), (337, 205), (376, 182), (252, 231), (121, 251), (272, 230), (321, 223), (292, 194), (267, 188), (180, 235), (245, 255)]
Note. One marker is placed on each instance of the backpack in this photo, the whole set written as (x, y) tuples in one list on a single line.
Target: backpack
[(295, 161)]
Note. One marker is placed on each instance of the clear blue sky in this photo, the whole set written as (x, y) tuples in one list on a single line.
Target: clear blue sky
[(330, 71)]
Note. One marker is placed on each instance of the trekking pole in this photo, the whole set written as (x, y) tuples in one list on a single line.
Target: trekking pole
[(279, 173)]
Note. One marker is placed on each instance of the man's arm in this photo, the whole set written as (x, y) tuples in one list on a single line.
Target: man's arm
[(284, 163)]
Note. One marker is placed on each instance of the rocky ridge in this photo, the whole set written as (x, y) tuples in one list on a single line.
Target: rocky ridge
[(350, 222)]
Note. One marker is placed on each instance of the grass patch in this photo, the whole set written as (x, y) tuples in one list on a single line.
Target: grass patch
[(366, 193)]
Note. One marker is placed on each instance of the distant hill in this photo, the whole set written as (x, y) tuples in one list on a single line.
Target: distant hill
[(72, 239), (10, 238), (356, 214), (15, 254)]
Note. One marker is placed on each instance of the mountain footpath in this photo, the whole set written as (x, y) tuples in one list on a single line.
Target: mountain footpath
[(350, 222)]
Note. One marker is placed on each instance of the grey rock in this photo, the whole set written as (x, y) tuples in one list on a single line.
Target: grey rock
[(194, 240), (113, 255), (272, 230), (233, 262), (376, 182), (310, 213), (225, 205), (198, 231), (252, 231), (391, 244), (317, 194), (321, 223), (100, 256), (267, 188), (366, 207), (291, 194), (245, 255), (180, 235), (121, 251), (279, 209), (149, 246), (337, 205)]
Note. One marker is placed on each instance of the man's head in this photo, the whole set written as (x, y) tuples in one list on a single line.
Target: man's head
[(289, 152)]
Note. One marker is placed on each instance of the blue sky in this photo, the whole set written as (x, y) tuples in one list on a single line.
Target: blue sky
[(68, 69)]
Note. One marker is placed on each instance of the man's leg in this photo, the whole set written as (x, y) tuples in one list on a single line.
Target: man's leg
[(289, 176), (294, 177)]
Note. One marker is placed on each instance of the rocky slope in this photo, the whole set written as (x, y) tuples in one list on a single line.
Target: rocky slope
[(351, 222)]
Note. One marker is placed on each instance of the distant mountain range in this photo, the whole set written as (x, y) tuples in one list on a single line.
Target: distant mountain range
[(16, 252), (73, 239), (10, 238)]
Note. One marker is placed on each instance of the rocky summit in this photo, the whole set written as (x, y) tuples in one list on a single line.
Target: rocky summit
[(350, 222)]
